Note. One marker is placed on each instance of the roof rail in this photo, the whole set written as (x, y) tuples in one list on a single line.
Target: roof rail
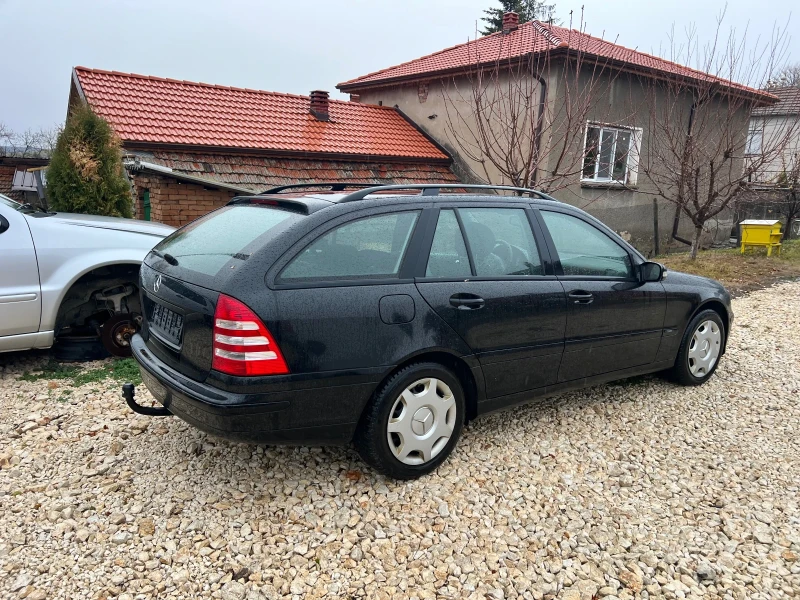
[(335, 186), (432, 189)]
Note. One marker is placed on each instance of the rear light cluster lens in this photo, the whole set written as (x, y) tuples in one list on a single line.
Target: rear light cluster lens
[(242, 343)]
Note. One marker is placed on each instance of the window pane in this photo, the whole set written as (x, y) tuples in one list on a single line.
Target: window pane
[(448, 257), (585, 250), (606, 156), (621, 155), (754, 140), (501, 242), (206, 245), (365, 248), (590, 159)]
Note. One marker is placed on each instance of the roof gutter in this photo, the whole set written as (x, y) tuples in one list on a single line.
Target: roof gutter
[(296, 154), (135, 165)]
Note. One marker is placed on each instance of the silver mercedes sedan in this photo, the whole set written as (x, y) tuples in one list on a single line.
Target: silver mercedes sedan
[(65, 274)]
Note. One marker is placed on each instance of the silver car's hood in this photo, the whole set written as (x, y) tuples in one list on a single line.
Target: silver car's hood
[(40, 221)]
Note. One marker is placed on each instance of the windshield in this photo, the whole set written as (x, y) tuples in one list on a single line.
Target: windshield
[(24, 207), (208, 244), (9, 202)]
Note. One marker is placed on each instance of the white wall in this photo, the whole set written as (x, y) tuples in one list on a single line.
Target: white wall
[(776, 128)]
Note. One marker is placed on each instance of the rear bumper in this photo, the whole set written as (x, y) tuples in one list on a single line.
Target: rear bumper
[(317, 415)]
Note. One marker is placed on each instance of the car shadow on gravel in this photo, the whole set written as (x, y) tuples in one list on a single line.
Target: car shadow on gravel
[(210, 460)]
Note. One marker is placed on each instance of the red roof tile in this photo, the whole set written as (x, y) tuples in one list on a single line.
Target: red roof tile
[(531, 37), (6, 181), (168, 111)]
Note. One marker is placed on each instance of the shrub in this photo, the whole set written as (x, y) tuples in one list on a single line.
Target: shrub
[(86, 173)]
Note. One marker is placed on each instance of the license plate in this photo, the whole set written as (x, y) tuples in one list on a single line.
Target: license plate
[(167, 324)]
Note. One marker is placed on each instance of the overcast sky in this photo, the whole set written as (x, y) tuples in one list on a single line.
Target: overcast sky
[(291, 46)]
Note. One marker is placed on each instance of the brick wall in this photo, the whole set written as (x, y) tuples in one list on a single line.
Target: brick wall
[(6, 179), (176, 203)]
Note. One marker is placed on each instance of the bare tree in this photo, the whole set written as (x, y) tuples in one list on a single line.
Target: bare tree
[(789, 75), (789, 186), (6, 136), (30, 143), (697, 126), (500, 118)]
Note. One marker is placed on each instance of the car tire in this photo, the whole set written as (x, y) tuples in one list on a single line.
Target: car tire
[(79, 349), (700, 350), (413, 422)]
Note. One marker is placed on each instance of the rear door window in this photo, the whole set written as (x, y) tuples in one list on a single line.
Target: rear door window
[(372, 247), (208, 244), (501, 242), (448, 257)]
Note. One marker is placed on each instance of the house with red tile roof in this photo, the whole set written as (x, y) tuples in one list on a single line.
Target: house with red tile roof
[(190, 147), (768, 123), (585, 147)]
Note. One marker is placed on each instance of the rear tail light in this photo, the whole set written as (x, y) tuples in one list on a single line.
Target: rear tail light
[(242, 343)]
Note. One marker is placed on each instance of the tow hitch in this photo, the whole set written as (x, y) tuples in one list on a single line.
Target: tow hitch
[(128, 392)]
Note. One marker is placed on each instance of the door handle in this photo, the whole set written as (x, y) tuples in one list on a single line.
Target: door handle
[(581, 297), (467, 301)]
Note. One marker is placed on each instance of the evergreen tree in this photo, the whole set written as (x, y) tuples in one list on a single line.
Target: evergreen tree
[(86, 173), (527, 10)]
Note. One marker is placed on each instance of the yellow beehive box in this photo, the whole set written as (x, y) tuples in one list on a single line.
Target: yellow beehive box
[(761, 232)]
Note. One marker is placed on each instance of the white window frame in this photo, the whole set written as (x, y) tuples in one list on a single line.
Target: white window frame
[(755, 126), (632, 160)]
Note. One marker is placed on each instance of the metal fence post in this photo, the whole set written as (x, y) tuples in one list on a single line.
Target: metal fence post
[(656, 248)]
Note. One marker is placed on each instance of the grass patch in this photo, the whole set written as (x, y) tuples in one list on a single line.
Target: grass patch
[(737, 272), (51, 370), (119, 369)]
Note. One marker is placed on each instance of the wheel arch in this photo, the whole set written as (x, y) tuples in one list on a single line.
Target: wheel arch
[(455, 363), (718, 307), (83, 276)]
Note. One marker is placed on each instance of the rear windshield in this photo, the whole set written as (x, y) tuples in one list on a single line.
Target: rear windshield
[(229, 234)]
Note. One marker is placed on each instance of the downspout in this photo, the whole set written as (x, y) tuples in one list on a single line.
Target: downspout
[(537, 134), (677, 220), (695, 105)]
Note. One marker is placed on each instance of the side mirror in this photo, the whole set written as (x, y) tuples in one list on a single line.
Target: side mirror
[(3, 224), (651, 271)]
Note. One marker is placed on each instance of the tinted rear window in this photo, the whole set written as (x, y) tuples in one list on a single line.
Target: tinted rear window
[(208, 244)]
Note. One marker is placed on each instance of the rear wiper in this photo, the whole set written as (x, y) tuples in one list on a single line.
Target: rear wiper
[(167, 257)]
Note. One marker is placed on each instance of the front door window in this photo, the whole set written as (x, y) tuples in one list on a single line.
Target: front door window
[(584, 250)]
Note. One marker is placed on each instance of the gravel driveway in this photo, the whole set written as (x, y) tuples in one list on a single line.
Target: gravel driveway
[(636, 489)]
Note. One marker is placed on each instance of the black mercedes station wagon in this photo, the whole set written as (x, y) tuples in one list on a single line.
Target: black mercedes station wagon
[(390, 315)]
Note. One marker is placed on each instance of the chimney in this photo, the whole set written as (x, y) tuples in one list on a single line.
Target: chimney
[(510, 22), (319, 105)]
